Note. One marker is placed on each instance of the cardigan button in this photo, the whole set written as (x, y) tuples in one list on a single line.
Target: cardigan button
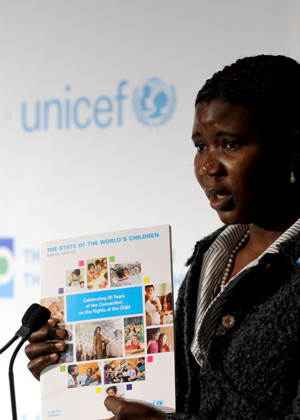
[(268, 266), (228, 321)]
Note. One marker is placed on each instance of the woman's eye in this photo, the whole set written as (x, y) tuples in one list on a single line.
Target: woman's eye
[(200, 147), (231, 145)]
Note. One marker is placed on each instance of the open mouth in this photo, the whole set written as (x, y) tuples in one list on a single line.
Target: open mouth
[(220, 201), (221, 196)]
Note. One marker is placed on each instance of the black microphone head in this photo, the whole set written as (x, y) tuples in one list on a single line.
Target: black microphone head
[(38, 318), (32, 308)]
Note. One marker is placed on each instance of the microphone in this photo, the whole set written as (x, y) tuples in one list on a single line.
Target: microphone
[(24, 328), (29, 311), (34, 318)]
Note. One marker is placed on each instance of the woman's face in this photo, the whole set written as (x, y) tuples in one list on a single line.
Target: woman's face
[(244, 174), (166, 304), (149, 291), (98, 330)]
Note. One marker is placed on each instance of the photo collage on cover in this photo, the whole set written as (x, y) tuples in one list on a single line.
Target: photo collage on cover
[(112, 352)]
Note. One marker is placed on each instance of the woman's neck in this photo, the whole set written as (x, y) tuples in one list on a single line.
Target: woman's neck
[(259, 240), (262, 237)]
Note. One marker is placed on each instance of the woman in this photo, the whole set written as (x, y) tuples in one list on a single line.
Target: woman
[(239, 357), (133, 341), (97, 343), (167, 312)]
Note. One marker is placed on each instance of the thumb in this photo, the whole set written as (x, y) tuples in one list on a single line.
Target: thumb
[(113, 404)]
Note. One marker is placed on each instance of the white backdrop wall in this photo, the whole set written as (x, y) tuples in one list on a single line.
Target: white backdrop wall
[(91, 143)]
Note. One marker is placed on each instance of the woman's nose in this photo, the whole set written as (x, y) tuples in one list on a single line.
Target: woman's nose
[(211, 166)]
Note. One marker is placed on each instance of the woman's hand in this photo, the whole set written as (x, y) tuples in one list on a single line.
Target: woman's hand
[(42, 353), (125, 410)]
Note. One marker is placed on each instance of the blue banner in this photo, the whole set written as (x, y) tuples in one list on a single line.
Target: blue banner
[(105, 304)]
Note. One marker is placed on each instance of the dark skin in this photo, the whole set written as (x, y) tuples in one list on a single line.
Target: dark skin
[(42, 353), (246, 177), (124, 410)]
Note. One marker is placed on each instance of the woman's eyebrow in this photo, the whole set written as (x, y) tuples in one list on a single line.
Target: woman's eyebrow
[(226, 133), (196, 134), (221, 133)]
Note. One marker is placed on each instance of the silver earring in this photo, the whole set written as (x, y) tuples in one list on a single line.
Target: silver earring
[(292, 177)]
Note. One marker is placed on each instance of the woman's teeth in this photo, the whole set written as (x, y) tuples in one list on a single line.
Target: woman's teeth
[(220, 196)]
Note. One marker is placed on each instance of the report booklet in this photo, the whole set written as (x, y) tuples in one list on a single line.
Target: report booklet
[(113, 294)]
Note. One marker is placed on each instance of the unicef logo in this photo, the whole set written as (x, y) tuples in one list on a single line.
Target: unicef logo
[(5, 265), (6, 268), (154, 102)]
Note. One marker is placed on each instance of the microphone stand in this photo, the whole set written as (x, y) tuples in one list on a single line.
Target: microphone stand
[(11, 379), (33, 319), (23, 330), (9, 344)]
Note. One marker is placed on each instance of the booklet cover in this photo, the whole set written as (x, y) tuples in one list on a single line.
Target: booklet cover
[(113, 294)]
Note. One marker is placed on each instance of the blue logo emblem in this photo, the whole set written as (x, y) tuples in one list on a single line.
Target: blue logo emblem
[(154, 102), (7, 276)]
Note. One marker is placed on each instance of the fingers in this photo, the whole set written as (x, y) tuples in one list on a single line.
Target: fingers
[(48, 332), (125, 410), (35, 350), (113, 404), (38, 364), (42, 352)]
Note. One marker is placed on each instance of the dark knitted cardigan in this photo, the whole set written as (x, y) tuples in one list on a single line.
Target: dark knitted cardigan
[(252, 370)]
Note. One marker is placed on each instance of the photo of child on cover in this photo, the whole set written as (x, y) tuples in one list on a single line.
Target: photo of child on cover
[(67, 356), (84, 374), (124, 370), (125, 274), (160, 340), (55, 305), (75, 280), (97, 276), (134, 336), (117, 391), (159, 304), (99, 340)]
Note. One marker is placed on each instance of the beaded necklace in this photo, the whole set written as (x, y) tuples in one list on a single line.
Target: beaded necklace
[(231, 258)]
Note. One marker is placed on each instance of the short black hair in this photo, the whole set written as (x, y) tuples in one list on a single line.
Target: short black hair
[(120, 273), (71, 368), (268, 84), (76, 272), (114, 388)]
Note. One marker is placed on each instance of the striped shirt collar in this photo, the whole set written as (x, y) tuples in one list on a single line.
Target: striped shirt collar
[(209, 304)]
